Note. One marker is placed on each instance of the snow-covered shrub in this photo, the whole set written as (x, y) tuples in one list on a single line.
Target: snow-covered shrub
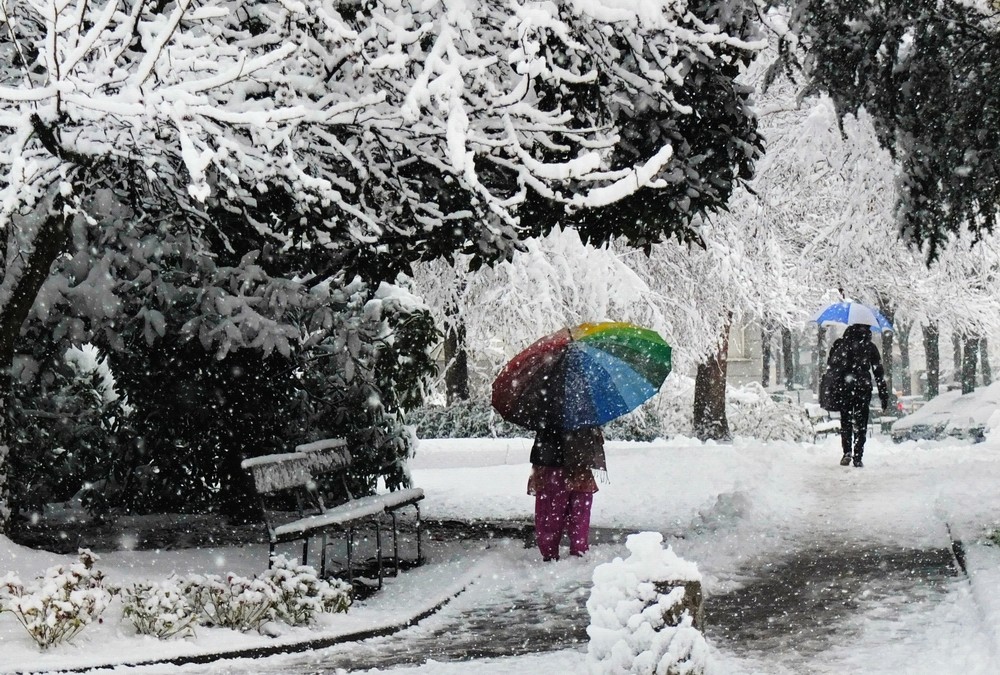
[(301, 594), (68, 429), (674, 406), (4, 490), (477, 419), (642, 424), (158, 609), (59, 604), (629, 631), (231, 601), (287, 592), (752, 412), (474, 418)]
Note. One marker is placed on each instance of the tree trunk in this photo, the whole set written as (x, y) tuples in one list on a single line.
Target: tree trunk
[(710, 394), (887, 340), (887, 361), (765, 353), (933, 356), (51, 240), (984, 361), (904, 360), (456, 373), (5, 399), (956, 346), (819, 358), (969, 359), (789, 356)]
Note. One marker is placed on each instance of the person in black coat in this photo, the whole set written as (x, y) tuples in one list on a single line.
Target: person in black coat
[(856, 359)]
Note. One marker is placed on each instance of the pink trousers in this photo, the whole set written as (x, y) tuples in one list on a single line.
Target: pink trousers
[(557, 510)]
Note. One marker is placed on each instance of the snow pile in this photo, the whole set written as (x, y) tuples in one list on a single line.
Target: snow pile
[(628, 632)]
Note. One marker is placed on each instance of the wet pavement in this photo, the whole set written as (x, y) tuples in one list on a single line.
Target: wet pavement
[(806, 603), (791, 609)]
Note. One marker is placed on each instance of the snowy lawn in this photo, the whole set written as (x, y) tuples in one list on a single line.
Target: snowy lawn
[(728, 508)]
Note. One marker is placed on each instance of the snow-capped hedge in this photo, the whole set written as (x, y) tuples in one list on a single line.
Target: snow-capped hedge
[(750, 409)]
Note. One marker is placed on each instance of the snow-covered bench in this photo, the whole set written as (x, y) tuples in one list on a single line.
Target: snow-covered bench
[(296, 472), (823, 423)]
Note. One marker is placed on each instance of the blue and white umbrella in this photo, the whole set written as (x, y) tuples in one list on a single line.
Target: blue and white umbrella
[(847, 313)]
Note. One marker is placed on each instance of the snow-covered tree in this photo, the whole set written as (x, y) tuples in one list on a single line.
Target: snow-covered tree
[(357, 137), (922, 70)]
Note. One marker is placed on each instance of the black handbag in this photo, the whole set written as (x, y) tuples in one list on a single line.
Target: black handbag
[(831, 391)]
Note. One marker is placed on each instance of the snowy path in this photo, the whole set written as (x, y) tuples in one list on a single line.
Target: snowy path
[(854, 574), (809, 567)]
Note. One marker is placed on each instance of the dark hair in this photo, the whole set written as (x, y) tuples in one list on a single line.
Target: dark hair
[(858, 331)]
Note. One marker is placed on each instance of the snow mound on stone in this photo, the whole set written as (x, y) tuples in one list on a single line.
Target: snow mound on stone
[(627, 630)]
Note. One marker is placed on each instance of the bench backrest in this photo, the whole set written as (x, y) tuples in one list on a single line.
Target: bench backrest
[(284, 471)]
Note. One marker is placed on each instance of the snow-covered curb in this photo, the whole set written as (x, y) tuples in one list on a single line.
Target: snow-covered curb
[(982, 563)]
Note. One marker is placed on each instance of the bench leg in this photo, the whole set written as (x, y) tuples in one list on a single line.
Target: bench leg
[(378, 549), (305, 551), (322, 557), (350, 547), (395, 544), (270, 555), (420, 534)]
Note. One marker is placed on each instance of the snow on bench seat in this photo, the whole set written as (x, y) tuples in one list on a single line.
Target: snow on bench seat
[(354, 510)]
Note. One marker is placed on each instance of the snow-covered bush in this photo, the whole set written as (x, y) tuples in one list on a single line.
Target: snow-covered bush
[(750, 409), (752, 412), (59, 604), (68, 430), (477, 419), (642, 424), (287, 592), (474, 418), (301, 594), (629, 631), (231, 601), (158, 609)]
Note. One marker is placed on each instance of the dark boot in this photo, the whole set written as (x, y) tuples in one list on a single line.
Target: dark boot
[(846, 459)]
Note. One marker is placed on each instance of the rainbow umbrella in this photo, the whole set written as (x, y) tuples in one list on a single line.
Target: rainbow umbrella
[(583, 376)]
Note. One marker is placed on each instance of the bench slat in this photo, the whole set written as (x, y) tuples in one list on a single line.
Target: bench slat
[(325, 444), (293, 469)]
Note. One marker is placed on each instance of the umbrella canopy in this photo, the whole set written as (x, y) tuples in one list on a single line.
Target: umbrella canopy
[(847, 313), (583, 376)]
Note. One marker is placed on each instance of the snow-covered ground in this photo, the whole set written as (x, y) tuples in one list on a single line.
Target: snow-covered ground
[(734, 509)]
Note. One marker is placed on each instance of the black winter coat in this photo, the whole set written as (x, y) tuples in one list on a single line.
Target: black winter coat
[(577, 448), (858, 359)]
